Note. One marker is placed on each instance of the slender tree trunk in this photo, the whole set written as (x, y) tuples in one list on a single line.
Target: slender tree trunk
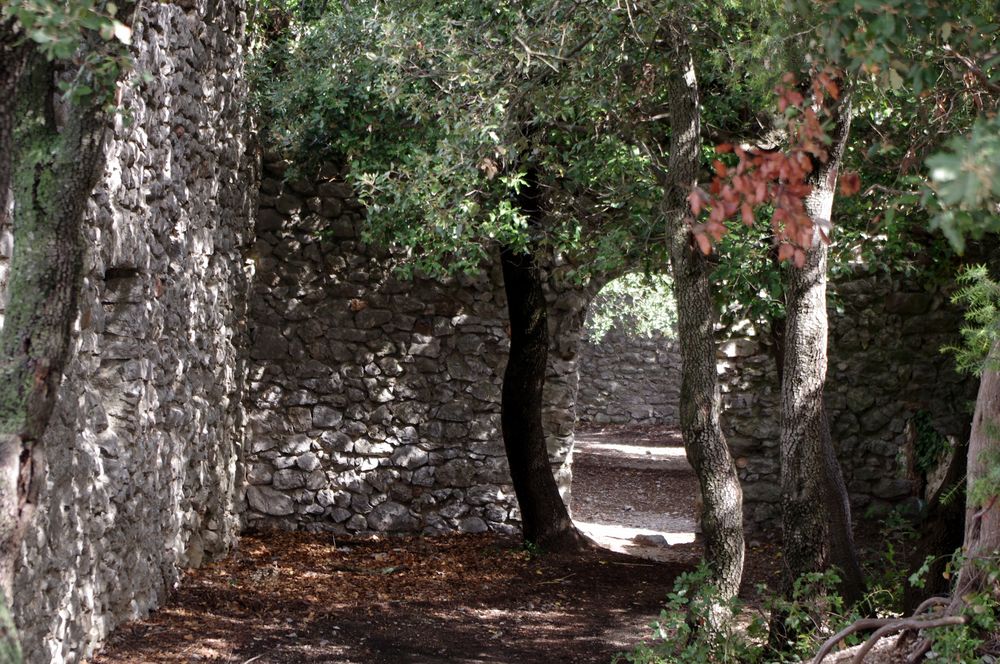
[(843, 553), (545, 521), (982, 513), (816, 517), (837, 502), (700, 402)]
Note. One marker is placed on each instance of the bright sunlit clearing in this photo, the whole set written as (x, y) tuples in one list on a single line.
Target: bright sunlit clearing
[(633, 450), (621, 538)]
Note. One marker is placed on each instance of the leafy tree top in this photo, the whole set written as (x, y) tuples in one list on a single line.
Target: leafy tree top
[(441, 111)]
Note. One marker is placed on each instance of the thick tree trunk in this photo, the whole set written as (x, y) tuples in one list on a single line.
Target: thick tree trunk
[(982, 512), (545, 520), (700, 402), (13, 56), (815, 509)]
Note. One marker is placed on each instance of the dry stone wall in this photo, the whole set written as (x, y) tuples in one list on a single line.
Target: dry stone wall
[(628, 379), (375, 400), (885, 376), (143, 451)]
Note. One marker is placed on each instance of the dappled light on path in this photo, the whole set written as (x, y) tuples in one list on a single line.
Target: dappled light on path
[(635, 493)]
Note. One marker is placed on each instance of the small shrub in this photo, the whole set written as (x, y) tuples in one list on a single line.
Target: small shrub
[(684, 633)]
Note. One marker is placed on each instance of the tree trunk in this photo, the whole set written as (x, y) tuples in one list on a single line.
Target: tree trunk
[(700, 402), (544, 518), (816, 517), (13, 56), (545, 521), (982, 512), (54, 170), (836, 502)]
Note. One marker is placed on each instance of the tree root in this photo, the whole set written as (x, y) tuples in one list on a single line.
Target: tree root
[(905, 624), (885, 626)]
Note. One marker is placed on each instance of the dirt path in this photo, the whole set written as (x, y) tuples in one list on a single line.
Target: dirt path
[(295, 597), (634, 492)]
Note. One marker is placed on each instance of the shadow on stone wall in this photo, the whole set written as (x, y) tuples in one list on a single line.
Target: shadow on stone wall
[(375, 401)]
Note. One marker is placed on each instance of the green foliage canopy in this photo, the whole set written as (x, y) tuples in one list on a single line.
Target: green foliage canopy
[(440, 110), (85, 35)]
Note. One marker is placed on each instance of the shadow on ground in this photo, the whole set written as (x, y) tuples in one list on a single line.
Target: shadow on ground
[(297, 597)]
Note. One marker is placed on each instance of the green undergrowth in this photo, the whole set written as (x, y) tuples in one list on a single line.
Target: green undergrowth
[(814, 612)]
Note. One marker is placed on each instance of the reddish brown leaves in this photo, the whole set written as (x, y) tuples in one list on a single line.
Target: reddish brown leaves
[(776, 178), (850, 184)]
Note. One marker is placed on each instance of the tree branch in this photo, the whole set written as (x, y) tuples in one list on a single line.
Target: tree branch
[(974, 69)]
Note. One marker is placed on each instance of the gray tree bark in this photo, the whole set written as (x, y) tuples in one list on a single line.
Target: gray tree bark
[(700, 401), (816, 513), (982, 518), (13, 57)]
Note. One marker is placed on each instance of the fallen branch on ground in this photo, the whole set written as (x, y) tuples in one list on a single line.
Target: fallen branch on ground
[(884, 626)]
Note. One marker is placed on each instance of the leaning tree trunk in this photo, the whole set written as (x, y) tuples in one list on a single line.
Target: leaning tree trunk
[(54, 170), (982, 511), (545, 521), (816, 517), (700, 402)]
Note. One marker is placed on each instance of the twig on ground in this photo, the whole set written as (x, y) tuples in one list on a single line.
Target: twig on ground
[(559, 580)]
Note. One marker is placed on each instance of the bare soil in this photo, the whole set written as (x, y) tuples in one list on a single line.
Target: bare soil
[(300, 597)]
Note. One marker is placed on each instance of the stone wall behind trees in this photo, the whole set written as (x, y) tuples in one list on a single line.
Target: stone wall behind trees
[(144, 446), (375, 400), (628, 379), (886, 381)]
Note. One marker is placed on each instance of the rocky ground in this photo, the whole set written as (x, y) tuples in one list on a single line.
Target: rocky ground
[(296, 597)]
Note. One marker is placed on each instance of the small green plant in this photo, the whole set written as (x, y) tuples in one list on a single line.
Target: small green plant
[(963, 643), (886, 573), (814, 611), (980, 295), (686, 632), (930, 445)]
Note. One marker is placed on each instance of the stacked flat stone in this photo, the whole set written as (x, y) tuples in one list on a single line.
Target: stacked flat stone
[(375, 400), (144, 448), (884, 369)]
